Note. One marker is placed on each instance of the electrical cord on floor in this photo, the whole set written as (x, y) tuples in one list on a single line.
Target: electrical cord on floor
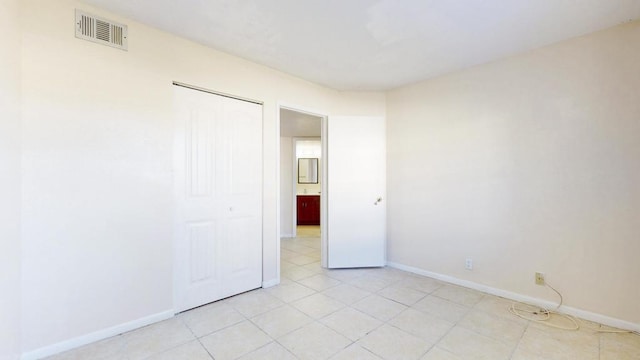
[(545, 313), (542, 315)]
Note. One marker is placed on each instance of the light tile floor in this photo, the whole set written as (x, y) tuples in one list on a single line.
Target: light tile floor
[(382, 313)]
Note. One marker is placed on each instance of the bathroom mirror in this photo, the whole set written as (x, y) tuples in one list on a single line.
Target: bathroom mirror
[(307, 170)]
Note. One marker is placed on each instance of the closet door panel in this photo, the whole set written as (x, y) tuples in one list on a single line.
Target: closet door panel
[(218, 198), (243, 192)]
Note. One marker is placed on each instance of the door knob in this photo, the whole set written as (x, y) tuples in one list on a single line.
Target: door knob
[(378, 200)]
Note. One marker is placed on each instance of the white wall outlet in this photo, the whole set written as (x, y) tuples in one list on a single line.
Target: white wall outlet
[(539, 278), (468, 264)]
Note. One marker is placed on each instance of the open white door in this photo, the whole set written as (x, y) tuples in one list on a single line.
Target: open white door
[(356, 171), (218, 197)]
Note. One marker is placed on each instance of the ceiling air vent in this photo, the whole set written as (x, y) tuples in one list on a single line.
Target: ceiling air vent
[(101, 31)]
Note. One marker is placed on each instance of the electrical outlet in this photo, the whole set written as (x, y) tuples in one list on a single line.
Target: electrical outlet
[(539, 278), (468, 264)]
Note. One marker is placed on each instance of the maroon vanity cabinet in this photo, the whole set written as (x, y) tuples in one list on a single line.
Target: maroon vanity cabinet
[(308, 209)]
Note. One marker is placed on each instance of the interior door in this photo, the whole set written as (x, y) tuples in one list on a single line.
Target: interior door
[(217, 190), (356, 186)]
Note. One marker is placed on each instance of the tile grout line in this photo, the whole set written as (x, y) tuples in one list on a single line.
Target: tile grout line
[(513, 352)]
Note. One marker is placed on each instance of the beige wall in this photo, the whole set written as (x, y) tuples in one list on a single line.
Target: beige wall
[(97, 166), (10, 180), (526, 164)]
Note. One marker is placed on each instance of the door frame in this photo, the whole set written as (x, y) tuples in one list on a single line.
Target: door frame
[(323, 196)]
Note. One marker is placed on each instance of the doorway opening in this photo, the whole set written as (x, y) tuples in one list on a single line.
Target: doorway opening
[(302, 200)]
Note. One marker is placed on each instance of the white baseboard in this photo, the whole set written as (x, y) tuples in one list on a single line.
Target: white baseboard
[(583, 314), (95, 336), (286, 236), (270, 283)]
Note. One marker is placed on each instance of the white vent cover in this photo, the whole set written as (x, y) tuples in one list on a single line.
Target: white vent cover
[(101, 31)]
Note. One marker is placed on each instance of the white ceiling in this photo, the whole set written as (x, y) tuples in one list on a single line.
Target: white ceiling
[(375, 44)]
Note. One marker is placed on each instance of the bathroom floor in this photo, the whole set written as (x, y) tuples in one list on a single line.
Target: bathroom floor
[(379, 313)]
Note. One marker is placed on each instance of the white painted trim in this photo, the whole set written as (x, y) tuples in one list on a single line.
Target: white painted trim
[(270, 283), (294, 187), (96, 336), (278, 205), (583, 314), (324, 204), (286, 235)]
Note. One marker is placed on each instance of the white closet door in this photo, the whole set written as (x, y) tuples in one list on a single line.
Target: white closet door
[(215, 257), (243, 195), (356, 227)]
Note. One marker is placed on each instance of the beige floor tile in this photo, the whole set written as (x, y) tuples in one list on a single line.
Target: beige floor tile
[(190, 351), (302, 259), (346, 293), (422, 325), (319, 282), (498, 328), (305, 231), (314, 341), (297, 273), (442, 308), (402, 295), (391, 343), (284, 281), (619, 346), (438, 354), (421, 283), (352, 323), (582, 338), (288, 244), (345, 274), (536, 343), (390, 274), (298, 247), (295, 246), (272, 351), (318, 305), (369, 283), (498, 306), (153, 339), (289, 292), (315, 268), (470, 345), (459, 295), (313, 242), (281, 321), (108, 349), (306, 250), (254, 302), (210, 318), (235, 341), (521, 354), (287, 254), (286, 265), (379, 307), (355, 352)]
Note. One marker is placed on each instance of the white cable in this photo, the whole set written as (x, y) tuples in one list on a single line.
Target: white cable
[(546, 316), (546, 313)]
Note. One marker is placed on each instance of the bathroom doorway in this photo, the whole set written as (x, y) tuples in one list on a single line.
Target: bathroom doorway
[(302, 203)]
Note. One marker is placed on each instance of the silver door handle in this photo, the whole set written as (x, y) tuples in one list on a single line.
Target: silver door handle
[(378, 200)]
